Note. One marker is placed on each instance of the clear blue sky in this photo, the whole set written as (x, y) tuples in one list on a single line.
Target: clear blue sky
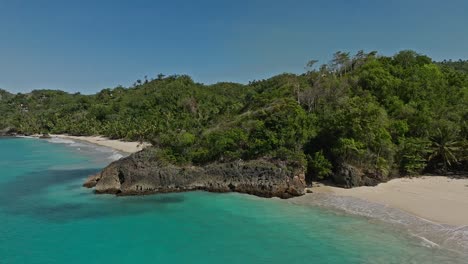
[(85, 46)]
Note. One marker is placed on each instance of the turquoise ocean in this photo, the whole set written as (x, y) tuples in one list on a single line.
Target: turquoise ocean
[(47, 217)]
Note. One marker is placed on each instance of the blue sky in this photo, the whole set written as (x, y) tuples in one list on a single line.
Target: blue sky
[(90, 45)]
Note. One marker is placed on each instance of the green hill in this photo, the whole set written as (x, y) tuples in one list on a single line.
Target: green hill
[(382, 115)]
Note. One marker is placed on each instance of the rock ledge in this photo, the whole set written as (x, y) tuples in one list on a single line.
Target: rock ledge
[(139, 174)]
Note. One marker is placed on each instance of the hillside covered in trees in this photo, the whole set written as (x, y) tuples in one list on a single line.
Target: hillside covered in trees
[(399, 115), (459, 65)]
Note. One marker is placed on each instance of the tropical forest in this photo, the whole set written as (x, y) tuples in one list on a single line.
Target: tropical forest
[(386, 115)]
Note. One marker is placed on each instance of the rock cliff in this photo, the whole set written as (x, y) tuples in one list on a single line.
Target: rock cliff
[(349, 176), (141, 174)]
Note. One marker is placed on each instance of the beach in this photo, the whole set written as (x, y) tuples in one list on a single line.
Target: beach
[(45, 211), (427, 198), (124, 146), (437, 199)]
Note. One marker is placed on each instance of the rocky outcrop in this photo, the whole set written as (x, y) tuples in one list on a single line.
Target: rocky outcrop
[(45, 136), (349, 176), (92, 180), (7, 132), (141, 174)]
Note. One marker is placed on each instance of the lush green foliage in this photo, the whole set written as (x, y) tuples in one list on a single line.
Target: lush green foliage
[(319, 165), (460, 65), (402, 114)]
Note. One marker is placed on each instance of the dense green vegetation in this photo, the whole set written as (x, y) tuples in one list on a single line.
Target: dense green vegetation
[(402, 115), (460, 65)]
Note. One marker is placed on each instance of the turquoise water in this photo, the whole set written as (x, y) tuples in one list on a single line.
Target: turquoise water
[(47, 217)]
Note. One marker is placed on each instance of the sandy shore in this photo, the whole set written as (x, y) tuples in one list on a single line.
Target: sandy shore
[(434, 198), (124, 146)]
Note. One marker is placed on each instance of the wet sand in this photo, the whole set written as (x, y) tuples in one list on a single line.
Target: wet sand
[(124, 146), (434, 198)]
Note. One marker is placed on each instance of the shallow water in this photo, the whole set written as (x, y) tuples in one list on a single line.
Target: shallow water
[(47, 217), (453, 238)]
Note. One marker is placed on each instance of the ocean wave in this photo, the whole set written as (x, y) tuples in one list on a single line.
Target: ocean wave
[(115, 156), (78, 144), (61, 141), (431, 234), (19, 136)]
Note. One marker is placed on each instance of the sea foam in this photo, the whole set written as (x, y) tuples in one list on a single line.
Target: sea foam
[(113, 155), (431, 234), (61, 141)]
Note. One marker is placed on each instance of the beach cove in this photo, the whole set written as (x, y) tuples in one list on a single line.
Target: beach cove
[(48, 211), (434, 198)]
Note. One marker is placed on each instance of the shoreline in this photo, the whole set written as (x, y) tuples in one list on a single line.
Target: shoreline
[(436, 199), (431, 208), (433, 233), (128, 147)]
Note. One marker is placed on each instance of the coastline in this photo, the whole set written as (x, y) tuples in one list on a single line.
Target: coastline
[(431, 208), (102, 208), (123, 146), (435, 199)]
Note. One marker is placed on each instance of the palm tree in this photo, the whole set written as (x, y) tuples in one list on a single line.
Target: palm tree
[(445, 148)]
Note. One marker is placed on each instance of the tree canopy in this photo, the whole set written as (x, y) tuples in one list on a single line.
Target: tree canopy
[(403, 114)]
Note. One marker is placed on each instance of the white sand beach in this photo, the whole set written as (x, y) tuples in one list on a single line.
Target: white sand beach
[(435, 198), (124, 146)]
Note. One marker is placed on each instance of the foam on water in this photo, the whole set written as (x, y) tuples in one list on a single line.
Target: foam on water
[(46, 216), (20, 136), (113, 155), (61, 140), (431, 234)]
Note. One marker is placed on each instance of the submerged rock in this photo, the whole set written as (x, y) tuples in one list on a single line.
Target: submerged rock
[(141, 174)]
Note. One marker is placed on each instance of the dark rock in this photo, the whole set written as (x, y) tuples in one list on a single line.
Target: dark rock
[(349, 176), (92, 180), (141, 174), (6, 132), (45, 136)]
